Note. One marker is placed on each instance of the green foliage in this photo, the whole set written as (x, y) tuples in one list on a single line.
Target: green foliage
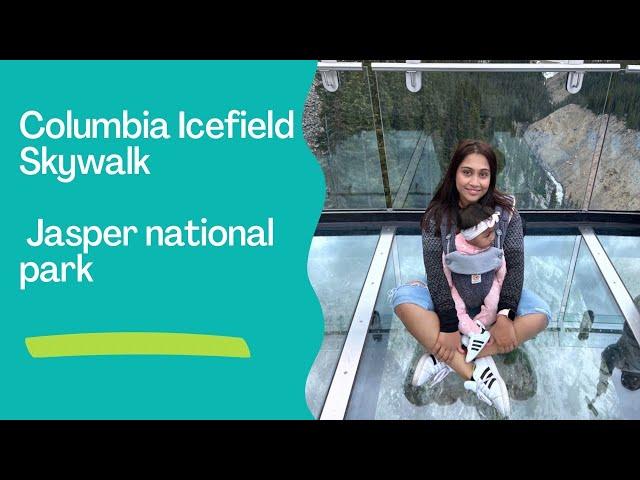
[(450, 106), (347, 111), (623, 100)]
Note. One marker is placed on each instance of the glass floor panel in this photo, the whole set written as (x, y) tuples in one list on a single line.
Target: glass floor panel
[(624, 252), (569, 371), (589, 292), (337, 268)]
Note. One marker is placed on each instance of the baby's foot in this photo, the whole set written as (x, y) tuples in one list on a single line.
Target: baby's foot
[(476, 342), (489, 386), (429, 370)]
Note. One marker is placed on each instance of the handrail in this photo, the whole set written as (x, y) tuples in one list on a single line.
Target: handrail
[(495, 67), (339, 66)]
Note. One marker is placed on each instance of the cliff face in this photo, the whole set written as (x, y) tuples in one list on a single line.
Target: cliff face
[(523, 176), (566, 141), (618, 182)]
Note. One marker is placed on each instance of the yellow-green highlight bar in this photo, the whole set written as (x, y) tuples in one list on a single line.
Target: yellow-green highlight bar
[(136, 343)]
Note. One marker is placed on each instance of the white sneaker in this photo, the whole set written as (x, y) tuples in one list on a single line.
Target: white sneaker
[(489, 386), (429, 369), (476, 342)]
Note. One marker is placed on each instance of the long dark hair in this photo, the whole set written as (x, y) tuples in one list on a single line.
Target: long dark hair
[(445, 200)]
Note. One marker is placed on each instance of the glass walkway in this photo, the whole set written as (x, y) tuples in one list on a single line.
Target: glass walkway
[(571, 158)]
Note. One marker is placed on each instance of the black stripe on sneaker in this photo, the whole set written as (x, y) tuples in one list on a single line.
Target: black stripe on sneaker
[(486, 370), (491, 382), (433, 358), (475, 349)]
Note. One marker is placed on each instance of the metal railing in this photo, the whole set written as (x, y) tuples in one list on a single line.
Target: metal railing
[(495, 67)]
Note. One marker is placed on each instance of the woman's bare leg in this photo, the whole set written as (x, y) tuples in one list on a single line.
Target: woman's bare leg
[(526, 327), (425, 328)]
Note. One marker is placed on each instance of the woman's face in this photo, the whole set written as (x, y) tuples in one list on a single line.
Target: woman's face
[(472, 178)]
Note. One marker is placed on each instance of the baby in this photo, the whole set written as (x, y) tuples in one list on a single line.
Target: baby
[(475, 272)]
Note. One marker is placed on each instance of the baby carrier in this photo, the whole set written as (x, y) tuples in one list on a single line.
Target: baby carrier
[(473, 275)]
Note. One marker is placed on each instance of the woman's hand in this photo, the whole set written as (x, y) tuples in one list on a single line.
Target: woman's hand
[(446, 346), (504, 335)]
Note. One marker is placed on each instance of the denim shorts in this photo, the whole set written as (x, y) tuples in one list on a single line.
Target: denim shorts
[(418, 294)]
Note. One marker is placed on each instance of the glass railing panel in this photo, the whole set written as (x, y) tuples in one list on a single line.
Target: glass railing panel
[(337, 268), (340, 131), (617, 184), (545, 137)]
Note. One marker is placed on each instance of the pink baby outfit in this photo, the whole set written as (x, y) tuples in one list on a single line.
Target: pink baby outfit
[(489, 310)]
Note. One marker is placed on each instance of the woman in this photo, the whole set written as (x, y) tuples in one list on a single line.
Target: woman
[(428, 310)]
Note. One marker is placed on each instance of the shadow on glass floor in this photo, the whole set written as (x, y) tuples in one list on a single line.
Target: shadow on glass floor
[(545, 381), (516, 370), (598, 391)]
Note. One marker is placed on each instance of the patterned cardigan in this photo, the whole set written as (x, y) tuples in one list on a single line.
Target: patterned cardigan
[(439, 287)]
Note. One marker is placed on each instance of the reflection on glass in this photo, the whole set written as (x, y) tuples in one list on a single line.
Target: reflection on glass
[(590, 303), (623, 355), (624, 253), (617, 185), (619, 369), (340, 131), (407, 252), (545, 137), (547, 261), (337, 269)]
